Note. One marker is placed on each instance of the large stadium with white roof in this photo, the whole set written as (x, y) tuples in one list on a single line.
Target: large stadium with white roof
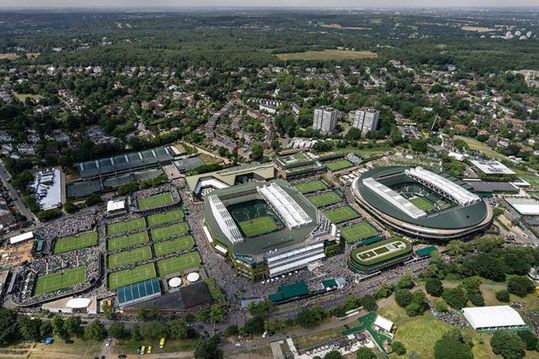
[(421, 203), (267, 229)]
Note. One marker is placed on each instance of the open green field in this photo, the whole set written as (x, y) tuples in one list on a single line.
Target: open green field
[(481, 147), (129, 347), (166, 217), (130, 240), (358, 232), (341, 214), (531, 179), (82, 240), (126, 226), (60, 280), (338, 165), (380, 251), (312, 186), (160, 200), (174, 245), (129, 257), (327, 55), (422, 203), (178, 264), (130, 276), (325, 199), (175, 230), (258, 226)]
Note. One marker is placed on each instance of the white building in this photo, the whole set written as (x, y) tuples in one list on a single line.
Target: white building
[(48, 188), (116, 207), (494, 317), (491, 167), (325, 119), (366, 119)]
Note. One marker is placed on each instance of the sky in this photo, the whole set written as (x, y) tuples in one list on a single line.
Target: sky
[(265, 3)]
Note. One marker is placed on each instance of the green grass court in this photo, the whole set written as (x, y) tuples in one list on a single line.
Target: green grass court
[(325, 199), (83, 240), (178, 264), (338, 165), (129, 257), (341, 214), (126, 226), (381, 251), (127, 241), (312, 186), (422, 203), (160, 200), (166, 217), (258, 226), (60, 280), (175, 230), (130, 276), (358, 232), (174, 245)]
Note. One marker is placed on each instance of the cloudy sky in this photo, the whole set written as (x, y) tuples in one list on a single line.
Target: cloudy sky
[(273, 3)]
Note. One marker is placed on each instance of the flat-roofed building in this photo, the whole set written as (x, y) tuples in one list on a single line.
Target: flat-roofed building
[(494, 317), (491, 167)]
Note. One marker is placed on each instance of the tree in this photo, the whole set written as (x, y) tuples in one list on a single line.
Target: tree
[(45, 329), (58, 327), (334, 354), (503, 296), (8, 327), (521, 286), (309, 317), (529, 339), (476, 298), (406, 282), (452, 345), (365, 353), (403, 297), (368, 302), (208, 348), (257, 152), (177, 329), (73, 326), (93, 199), (434, 287), (508, 345), (117, 330), (29, 328), (419, 145), (217, 314), (418, 304), (455, 297), (70, 207), (441, 306), (106, 307), (398, 347), (254, 325), (231, 331), (95, 331)]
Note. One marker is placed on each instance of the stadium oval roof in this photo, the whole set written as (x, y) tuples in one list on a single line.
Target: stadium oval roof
[(451, 222)]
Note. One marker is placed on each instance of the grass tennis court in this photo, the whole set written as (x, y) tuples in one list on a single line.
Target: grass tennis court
[(83, 240), (127, 241), (338, 165), (325, 199), (175, 245), (174, 230), (60, 280), (422, 203), (167, 217), (129, 257), (358, 232), (130, 276), (178, 264), (258, 226), (381, 251), (312, 186), (126, 226), (160, 200), (341, 214)]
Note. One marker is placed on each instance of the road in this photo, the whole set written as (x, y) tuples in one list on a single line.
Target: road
[(5, 176)]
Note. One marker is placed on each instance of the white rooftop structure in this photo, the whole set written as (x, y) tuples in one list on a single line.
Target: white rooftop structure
[(524, 206), (193, 277), (175, 282), (383, 323), (21, 237), (285, 262), (48, 188), (394, 198), (491, 167), (495, 317), (115, 205), (78, 303), (290, 212), (442, 186), (225, 220)]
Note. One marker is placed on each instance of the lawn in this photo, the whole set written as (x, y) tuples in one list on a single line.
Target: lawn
[(178, 264), (341, 214), (82, 240), (312, 186), (60, 280), (130, 276), (166, 217), (325, 199), (327, 55), (338, 165), (175, 230), (174, 245), (129, 257), (481, 147), (130, 240), (258, 226), (126, 226), (422, 203), (358, 232), (160, 200), (129, 347)]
